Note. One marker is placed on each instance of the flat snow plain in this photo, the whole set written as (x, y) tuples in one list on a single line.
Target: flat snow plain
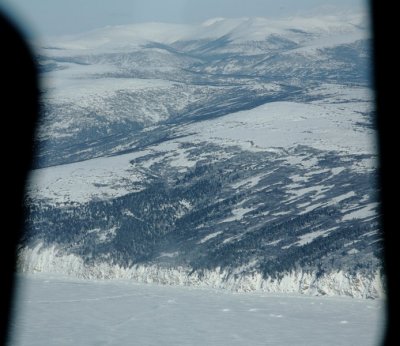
[(55, 310)]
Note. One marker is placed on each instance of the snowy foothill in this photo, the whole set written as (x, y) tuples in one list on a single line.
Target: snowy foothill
[(275, 126)]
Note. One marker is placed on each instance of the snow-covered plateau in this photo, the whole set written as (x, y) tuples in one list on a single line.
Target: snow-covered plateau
[(238, 154)]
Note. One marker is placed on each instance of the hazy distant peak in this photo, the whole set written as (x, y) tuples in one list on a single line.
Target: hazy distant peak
[(212, 21), (237, 30)]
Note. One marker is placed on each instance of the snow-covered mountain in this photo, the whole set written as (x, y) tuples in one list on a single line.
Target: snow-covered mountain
[(236, 153)]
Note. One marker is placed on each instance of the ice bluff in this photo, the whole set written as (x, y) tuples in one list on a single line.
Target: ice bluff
[(53, 260)]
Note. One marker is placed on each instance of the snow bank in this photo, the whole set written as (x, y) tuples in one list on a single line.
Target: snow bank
[(54, 260)]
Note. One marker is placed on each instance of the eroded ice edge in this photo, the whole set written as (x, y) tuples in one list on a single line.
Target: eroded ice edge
[(51, 260)]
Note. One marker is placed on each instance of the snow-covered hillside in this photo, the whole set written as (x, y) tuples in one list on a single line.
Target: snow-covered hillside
[(332, 125), (239, 152)]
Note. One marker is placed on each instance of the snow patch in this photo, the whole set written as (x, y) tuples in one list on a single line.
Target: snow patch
[(208, 237), (309, 237), (238, 214), (168, 254), (343, 197), (353, 252), (248, 182), (273, 243), (362, 213)]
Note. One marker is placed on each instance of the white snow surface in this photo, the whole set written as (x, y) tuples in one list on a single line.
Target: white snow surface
[(55, 261), (320, 125), (210, 236), (79, 182), (238, 214), (310, 237), (362, 213), (101, 178), (54, 310), (78, 84)]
